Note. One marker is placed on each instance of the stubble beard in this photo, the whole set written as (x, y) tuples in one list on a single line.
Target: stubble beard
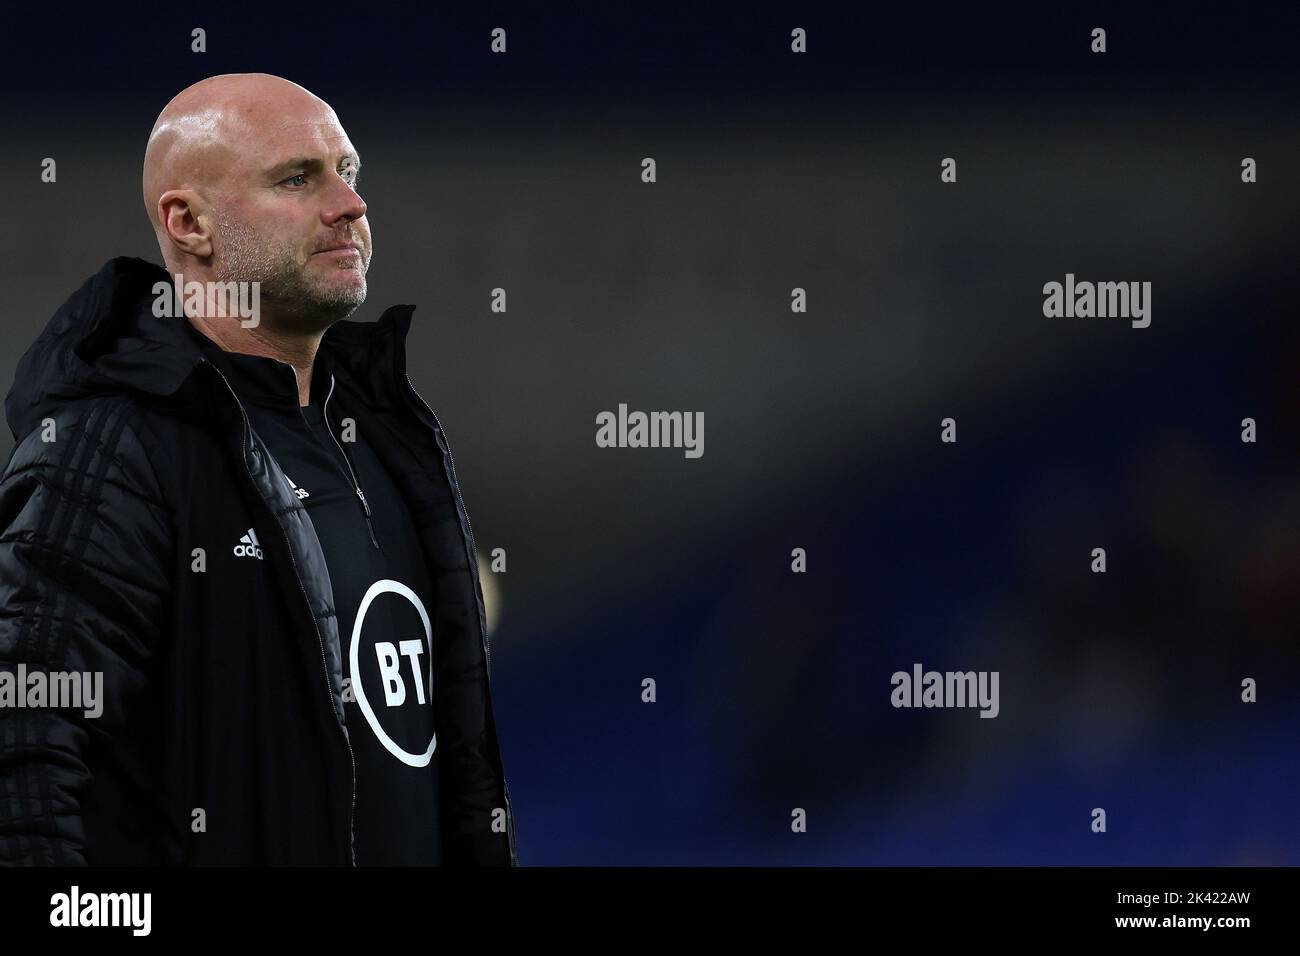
[(289, 294)]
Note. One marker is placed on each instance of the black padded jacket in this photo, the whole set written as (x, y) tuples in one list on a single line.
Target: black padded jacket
[(221, 737)]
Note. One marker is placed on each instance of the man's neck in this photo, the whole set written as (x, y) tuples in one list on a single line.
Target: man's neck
[(297, 351)]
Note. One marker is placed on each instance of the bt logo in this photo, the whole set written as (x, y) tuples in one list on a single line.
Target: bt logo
[(389, 659), (390, 670)]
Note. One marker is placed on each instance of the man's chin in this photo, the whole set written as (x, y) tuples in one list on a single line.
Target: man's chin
[(341, 306), (326, 305), (342, 285)]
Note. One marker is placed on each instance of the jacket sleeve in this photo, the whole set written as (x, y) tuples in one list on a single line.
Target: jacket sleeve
[(472, 785), (85, 553), (472, 781)]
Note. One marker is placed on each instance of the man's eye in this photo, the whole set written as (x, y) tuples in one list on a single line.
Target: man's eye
[(302, 176)]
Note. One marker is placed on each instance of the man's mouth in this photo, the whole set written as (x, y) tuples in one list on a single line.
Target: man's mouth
[(340, 250)]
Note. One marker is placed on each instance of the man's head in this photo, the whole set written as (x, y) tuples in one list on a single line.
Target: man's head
[(250, 178)]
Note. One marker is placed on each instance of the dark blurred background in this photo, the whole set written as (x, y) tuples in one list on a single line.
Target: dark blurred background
[(775, 170)]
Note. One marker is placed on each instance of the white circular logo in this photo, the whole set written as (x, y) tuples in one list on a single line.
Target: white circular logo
[(386, 586)]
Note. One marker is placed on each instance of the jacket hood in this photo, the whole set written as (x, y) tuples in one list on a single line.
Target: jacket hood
[(106, 339)]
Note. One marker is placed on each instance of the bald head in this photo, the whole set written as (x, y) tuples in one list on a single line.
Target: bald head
[(207, 125), (250, 177)]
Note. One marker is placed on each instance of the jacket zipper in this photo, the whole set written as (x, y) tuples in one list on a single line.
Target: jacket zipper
[(243, 449), (356, 485), (473, 557)]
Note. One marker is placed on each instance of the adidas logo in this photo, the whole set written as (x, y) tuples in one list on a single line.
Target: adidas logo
[(300, 492), (248, 546)]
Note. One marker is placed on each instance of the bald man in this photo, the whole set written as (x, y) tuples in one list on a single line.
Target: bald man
[(240, 614)]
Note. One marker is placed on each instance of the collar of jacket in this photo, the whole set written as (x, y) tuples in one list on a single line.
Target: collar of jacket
[(106, 337), (265, 381)]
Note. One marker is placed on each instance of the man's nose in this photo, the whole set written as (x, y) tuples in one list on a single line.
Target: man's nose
[(344, 203)]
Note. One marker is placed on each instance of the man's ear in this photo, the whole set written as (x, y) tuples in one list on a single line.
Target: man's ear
[(180, 212)]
